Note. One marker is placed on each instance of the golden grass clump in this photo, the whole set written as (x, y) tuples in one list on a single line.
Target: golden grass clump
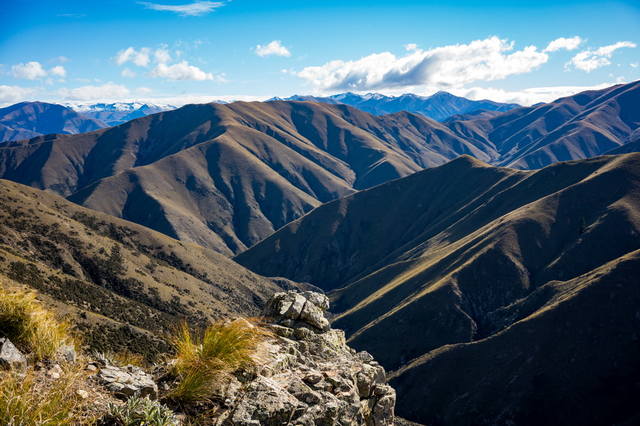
[(29, 325), (223, 346), (31, 399)]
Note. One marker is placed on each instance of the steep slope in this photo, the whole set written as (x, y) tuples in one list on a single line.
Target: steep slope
[(571, 358), (30, 119), (443, 255), (581, 126), (125, 285), (439, 106), (226, 176)]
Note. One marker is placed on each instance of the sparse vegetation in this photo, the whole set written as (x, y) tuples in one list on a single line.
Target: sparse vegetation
[(223, 346), (32, 327), (29, 399), (141, 412)]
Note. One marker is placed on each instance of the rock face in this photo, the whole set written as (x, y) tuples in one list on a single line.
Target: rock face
[(128, 381), (307, 375), (10, 356)]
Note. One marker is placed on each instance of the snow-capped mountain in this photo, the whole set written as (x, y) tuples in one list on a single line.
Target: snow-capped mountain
[(119, 112), (439, 106)]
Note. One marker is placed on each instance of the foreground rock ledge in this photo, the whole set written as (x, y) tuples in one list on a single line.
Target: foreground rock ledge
[(307, 374)]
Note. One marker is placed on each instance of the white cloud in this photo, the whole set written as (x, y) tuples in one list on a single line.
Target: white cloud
[(570, 43), (30, 71), (448, 66), (58, 71), (139, 57), (273, 48), (410, 46), (162, 55), (196, 8), (61, 59), (91, 93), (128, 73), (590, 59), (181, 71), (634, 64), (13, 94), (525, 97)]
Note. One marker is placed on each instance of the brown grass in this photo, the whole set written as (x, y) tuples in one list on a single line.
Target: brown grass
[(29, 325), (222, 347)]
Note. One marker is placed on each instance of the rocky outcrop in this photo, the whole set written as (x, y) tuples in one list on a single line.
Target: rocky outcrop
[(127, 381), (10, 356), (307, 375)]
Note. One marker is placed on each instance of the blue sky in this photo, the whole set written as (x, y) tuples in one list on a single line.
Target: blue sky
[(195, 51)]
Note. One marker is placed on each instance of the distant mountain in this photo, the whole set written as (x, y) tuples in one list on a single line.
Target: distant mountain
[(227, 176), (125, 286), (490, 291), (439, 106), (580, 126), (120, 112), (29, 119)]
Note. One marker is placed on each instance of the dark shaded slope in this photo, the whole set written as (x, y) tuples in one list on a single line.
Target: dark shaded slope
[(441, 256), (572, 358)]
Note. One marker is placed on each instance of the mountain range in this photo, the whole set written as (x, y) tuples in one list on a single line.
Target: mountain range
[(490, 291), (439, 106), (119, 112), (489, 260), (26, 120), (227, 176)]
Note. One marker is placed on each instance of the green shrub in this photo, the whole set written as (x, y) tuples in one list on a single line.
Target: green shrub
[(141, 412)]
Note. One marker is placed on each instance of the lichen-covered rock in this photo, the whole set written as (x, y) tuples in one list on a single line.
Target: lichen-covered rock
[(128, 381), (307, 375), (10, 356)]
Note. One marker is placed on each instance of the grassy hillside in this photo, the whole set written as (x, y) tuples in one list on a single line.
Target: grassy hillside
[(125, 286)]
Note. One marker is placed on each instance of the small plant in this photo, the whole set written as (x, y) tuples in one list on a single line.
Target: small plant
[(120, 359), (28, 399), (31, 326), (141, 412), (224, 346)]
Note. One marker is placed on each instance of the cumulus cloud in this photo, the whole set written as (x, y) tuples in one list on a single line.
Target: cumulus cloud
[(196, 8), (410, 46), (89, 93), (570, 43), (30, 71), (448, 66), (139, 57), (13, 94), (273, 48), (180, 71), (58, 71), (591, 59), (162, 55)]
